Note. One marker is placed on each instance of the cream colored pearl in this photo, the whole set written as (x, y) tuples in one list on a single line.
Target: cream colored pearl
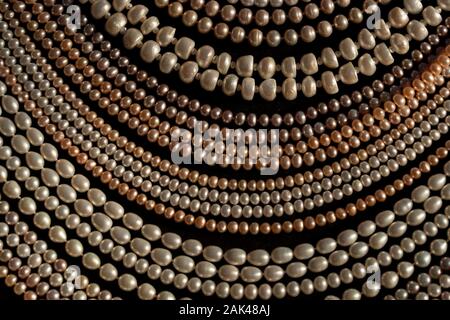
[(116, 23), (188, 71), (329, 82), (248, 88), (149, 51), (165, 36), (184, 47), (137, 13), (268, 89)]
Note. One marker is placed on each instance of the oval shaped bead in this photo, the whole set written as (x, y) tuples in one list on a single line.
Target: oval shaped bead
[(251, 274), (416, 217), (326, 245), (399, 43), (83, 208), (132, 221), (432, 16), (171, 240), (378, 240), (161, 256), (57, 234), (192, 247), (96, 197), (213, 253), (258, 257), (317, 264), (205, 269), (384, 218), (397, 229), (100, 8), (34, 160), (151, 232), (120, 235), (358, 250), (420, 194), (20, 144), (235, 256), (64, 168), (228, 273), (91, 261), (289, 67), (66, 193), (114, 210), (347, 238), (149, 25), (273, 273), (296, 270), (304, 251), (102, 222), (10, 104), (183, 264), (432, 204), (80, 183), (35, 137), (338, 258), (282, 255)]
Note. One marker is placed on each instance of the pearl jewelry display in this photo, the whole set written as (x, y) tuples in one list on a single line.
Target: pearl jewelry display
[(267, 67), (364, 189)]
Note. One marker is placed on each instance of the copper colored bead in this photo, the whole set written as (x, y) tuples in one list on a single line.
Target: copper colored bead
[(341, 214), (105, 177), (179, 216), (321, 220), (243, 228), (159, 208), (221, 226), (211, 225), (264, 228), (169, 213), (123, 188), (132, 194), (276, 228), (331, 217), (310, 223), (287, 227), (254, 228), (200, 222)]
